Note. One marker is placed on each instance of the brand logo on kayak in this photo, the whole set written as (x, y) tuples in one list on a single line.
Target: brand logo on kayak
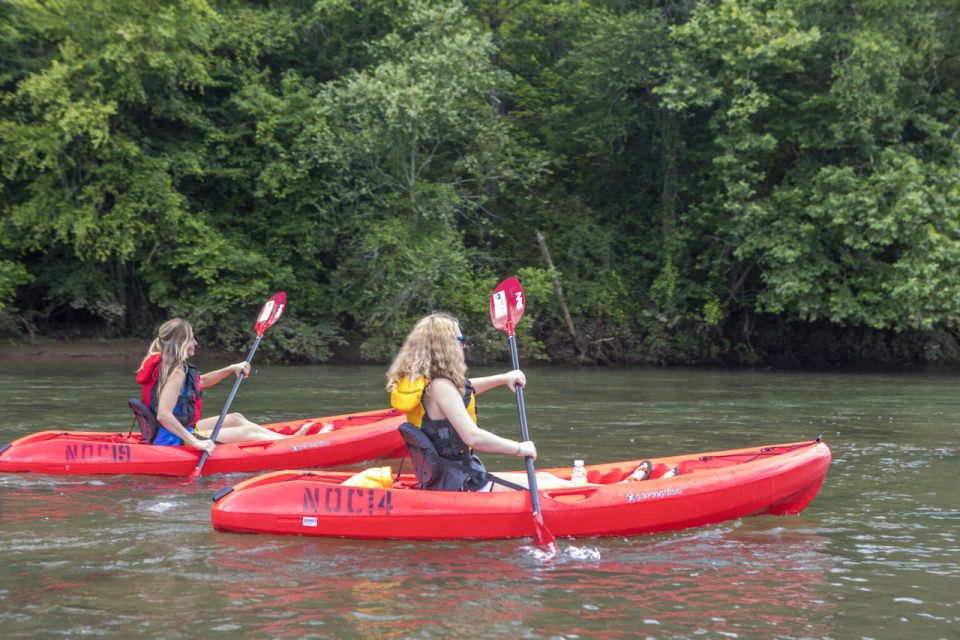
[(312, 445), (640, 497), (309, 521), (97, 453), (347, 500)]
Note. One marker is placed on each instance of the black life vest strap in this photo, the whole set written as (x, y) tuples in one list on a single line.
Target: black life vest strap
[(481, 477)]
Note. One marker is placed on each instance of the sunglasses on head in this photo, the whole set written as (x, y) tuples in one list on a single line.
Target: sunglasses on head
[(461, 340)]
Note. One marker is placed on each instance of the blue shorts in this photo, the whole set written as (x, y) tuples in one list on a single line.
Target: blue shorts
[(166, 439)]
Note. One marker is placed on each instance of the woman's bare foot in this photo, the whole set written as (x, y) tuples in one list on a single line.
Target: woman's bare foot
[(327, 428), (641, 473)]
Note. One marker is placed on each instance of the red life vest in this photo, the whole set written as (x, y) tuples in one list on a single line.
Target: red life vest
[(189, 403)]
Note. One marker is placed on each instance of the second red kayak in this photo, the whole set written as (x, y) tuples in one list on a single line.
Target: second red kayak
[(356, 437), (709, 488)]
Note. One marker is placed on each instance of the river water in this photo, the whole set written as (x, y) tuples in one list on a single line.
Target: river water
[(875, 556)]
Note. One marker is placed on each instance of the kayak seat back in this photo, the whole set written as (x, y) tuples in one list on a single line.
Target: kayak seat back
[(434, 472), (423, 456), (146, 421)]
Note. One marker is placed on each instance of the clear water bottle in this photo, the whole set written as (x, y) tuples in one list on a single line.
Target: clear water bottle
[(579, 475)]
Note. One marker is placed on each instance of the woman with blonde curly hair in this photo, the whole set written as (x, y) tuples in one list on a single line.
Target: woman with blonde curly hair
[(428, 380), (172, 387)]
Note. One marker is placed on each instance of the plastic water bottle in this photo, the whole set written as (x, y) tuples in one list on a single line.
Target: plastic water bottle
[(579, 475)]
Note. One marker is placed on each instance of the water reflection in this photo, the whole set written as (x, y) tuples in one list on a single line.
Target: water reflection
[(31, 503), (27, 499), (729, 580)]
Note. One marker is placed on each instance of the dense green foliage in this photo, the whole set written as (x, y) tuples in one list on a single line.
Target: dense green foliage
[(724, 181)]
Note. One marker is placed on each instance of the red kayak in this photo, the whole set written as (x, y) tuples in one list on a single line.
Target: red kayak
[(356, 437), (708, 488)]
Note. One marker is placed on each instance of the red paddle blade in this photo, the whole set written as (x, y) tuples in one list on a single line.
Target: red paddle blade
[(270, 313), (543, 537), (506, 305)]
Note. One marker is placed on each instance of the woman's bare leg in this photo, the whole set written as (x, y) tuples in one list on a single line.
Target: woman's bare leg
[(544, 481), (236, 428)]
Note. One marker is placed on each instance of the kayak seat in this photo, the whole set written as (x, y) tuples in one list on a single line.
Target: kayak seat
[(432, 470), (146, 421), (423, 456), (658, 470)]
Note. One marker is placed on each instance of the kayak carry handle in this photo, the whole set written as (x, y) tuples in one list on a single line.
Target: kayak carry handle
[(221, 493), (571, 494)]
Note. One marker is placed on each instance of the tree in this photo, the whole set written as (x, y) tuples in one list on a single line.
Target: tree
[(80, 170), (407, 147)]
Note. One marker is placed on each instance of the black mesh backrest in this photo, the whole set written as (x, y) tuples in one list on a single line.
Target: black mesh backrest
[(423, 455), (145, 419)]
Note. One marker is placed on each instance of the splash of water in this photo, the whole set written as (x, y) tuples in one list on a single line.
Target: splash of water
[(566, 552), (581, 553), (161, 507)]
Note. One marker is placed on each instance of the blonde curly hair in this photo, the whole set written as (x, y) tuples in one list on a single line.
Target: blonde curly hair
[(431, 350)]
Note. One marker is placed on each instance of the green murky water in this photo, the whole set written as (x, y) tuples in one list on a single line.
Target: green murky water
[(875, 556)]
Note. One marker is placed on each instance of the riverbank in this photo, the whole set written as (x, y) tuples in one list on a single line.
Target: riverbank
[(883, 350), (101, 351)]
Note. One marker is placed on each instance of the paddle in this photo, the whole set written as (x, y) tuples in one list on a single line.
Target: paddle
[(506, 308), (269, 314)]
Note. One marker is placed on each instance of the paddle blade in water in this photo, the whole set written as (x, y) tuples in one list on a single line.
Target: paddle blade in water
[(506, 305), (270, 313), (543, 537)]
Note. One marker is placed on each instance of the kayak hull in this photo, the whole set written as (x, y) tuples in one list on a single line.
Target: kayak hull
[(711, 487), (356, 437)]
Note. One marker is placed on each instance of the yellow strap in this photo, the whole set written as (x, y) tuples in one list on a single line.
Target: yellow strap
[(472, 407)]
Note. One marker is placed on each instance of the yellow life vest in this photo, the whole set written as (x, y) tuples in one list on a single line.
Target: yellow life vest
[(407, 396)]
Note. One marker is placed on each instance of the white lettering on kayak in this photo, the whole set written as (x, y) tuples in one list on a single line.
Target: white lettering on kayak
[(663, 493), (312, 445)]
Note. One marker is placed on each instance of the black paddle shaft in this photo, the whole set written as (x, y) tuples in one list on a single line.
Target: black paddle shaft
[(524, 434), (226, 406)]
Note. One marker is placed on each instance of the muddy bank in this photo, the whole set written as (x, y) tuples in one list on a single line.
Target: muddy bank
[(119, 350)]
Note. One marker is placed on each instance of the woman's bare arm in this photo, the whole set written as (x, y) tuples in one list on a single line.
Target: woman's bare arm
[(213, 377), (448, 402), (510, 378)]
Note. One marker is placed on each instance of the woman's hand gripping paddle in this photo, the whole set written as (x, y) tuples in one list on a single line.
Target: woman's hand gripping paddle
[(269, 314), (506, 309)]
